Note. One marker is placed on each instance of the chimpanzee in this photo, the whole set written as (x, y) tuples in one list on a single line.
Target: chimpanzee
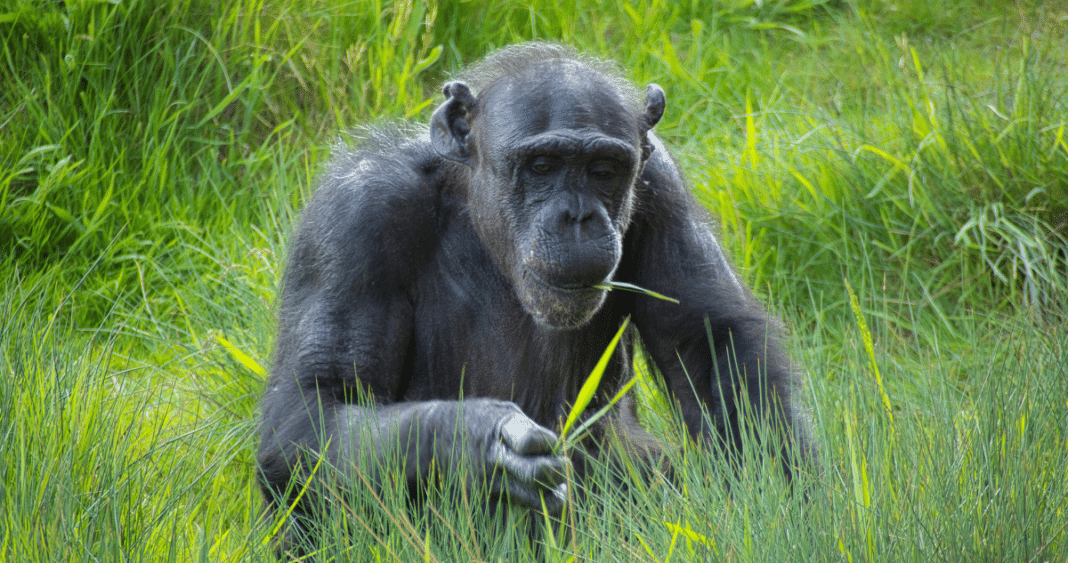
[(459, 281)]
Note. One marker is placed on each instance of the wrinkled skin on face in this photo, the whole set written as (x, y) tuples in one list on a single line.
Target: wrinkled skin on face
[(552, 181)]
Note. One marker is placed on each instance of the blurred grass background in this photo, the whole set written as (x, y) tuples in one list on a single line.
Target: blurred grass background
[(154, 156)]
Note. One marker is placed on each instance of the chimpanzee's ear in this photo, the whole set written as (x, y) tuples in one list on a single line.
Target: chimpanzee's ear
[(654, 105), (448, 126), (654, 110)]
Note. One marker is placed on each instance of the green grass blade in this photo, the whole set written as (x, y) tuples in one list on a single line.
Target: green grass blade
[(585, 394)]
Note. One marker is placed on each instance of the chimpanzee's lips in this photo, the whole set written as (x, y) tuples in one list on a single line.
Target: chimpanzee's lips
[(572, 287)]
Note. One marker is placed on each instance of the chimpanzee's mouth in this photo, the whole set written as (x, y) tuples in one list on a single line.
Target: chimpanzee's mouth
[(575, 287)]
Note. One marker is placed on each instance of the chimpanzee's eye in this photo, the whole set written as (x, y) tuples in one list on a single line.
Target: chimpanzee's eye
[(544, 164), (603, 169)]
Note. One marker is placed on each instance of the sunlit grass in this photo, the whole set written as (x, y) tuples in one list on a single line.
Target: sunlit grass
[(891, 178)]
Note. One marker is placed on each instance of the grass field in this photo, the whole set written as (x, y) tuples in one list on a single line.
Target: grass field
[(890, 177)]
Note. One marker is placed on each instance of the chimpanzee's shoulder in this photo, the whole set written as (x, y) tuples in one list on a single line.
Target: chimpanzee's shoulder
[(376, 209)]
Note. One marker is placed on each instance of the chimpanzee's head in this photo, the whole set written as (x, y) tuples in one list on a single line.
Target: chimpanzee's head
[(555, 145)]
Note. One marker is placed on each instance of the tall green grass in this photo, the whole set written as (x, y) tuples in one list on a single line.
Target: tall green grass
[(153, 156)]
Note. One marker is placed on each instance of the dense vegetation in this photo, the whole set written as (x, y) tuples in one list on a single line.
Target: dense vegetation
[(892, 178)]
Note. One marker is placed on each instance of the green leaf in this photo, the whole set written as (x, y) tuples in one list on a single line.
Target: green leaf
[(241, 357), (593, 381), (610, 285)]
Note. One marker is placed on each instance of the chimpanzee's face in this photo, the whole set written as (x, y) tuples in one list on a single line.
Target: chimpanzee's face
[(556, 156)]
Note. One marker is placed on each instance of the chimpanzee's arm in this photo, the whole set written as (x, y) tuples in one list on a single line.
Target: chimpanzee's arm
[(676, 254), (345, 326)]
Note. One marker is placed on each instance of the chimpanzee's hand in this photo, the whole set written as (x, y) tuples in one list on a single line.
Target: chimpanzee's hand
[(524, 452), (517, 452)]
